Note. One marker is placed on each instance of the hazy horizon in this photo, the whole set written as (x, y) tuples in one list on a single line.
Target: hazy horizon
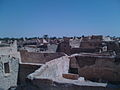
[(35, 18)]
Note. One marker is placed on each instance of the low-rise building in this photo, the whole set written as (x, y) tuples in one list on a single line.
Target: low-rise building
[(9, 64)]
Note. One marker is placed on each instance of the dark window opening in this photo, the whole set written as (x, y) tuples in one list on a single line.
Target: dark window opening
[(6, 67), (73, 70)]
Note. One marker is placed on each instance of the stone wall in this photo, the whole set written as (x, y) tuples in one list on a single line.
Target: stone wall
[(113, 46), (64, 47), (98, 68), (86, 50), (34, 57), (89, 46), (24, 71)]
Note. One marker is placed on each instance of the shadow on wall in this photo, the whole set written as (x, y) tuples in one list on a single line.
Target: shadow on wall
[(1, 89), (113, 85)]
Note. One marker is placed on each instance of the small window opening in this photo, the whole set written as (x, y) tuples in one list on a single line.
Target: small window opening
[(73, 70), (6, 68)]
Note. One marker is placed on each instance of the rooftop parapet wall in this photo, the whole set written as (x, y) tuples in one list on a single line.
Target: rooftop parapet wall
[(41, 58), (52, 69), (97, 67), (11, 49)]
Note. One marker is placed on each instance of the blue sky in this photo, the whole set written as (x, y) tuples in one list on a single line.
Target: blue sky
[(29, 18)]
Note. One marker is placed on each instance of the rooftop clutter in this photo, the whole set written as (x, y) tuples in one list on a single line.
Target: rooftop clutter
[(69, 62)]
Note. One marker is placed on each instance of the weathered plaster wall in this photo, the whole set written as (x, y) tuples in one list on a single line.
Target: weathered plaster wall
[(6, 81), (52, 69), (7, 50), (9, 54)]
